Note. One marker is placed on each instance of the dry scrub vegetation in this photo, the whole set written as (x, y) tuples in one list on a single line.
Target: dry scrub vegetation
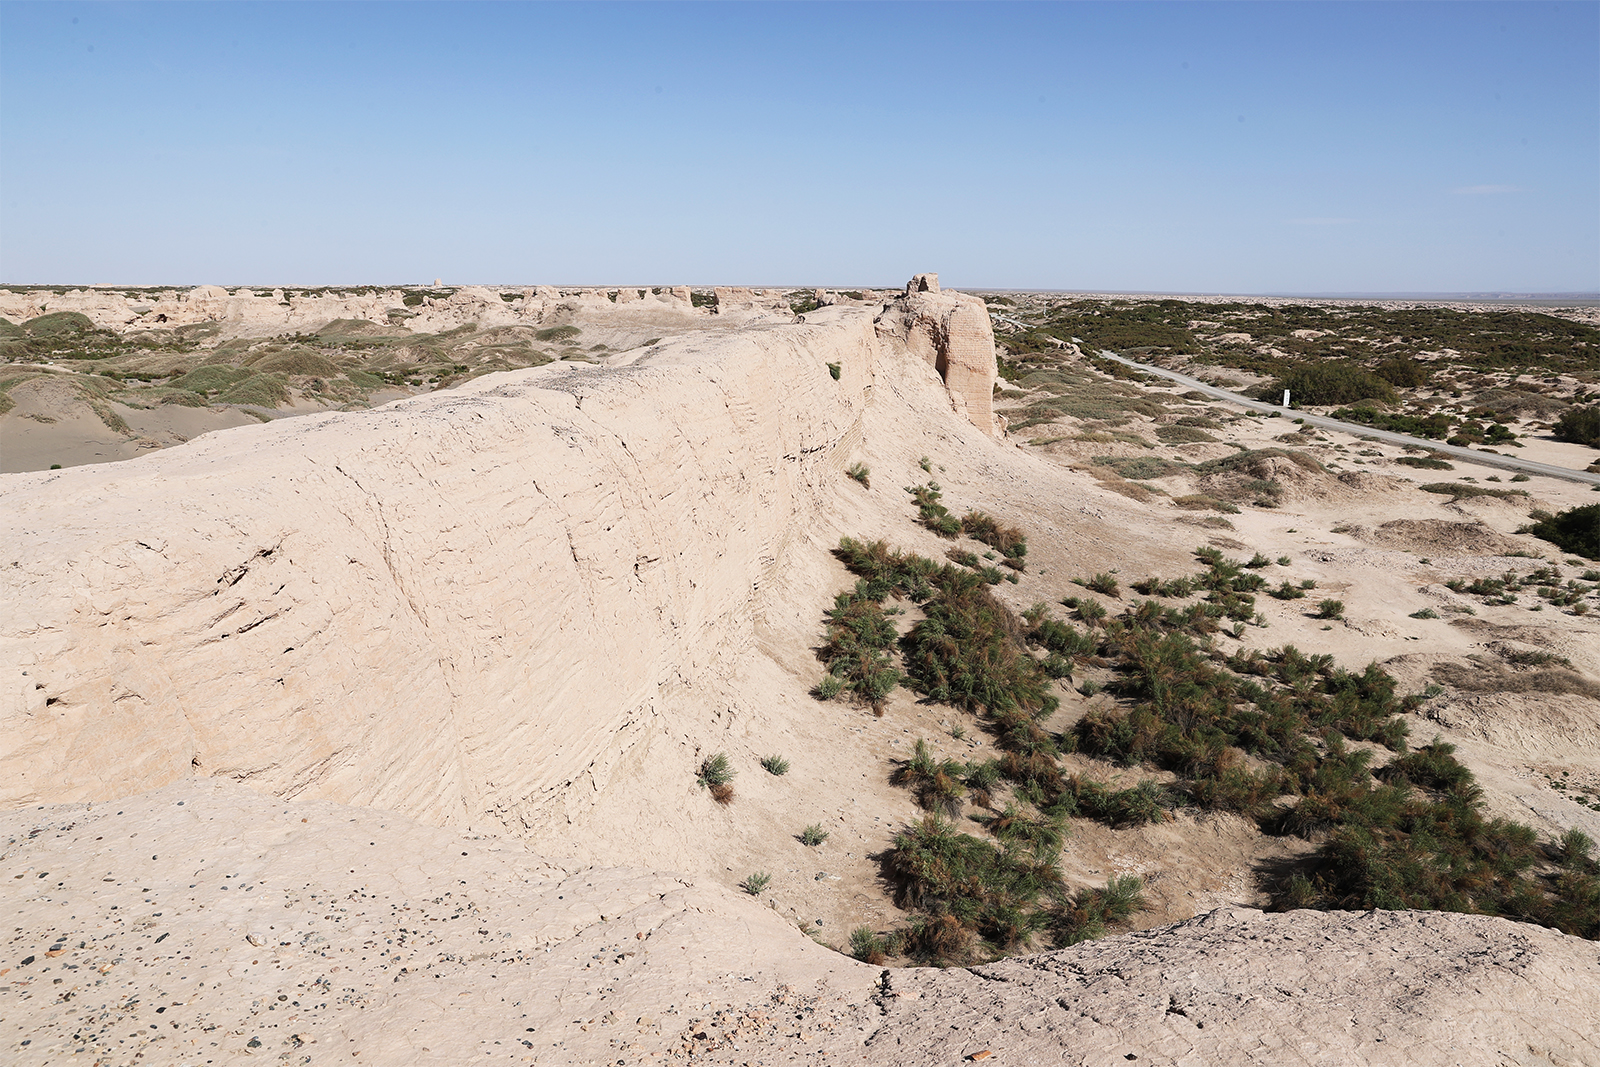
[(1264, 734)]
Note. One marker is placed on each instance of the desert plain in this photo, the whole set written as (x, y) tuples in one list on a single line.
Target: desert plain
[(489, 674)]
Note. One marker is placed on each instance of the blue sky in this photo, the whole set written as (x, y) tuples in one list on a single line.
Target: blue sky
[(1188, 147)]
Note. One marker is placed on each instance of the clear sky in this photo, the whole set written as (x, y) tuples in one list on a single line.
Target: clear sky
[(1187, 147)]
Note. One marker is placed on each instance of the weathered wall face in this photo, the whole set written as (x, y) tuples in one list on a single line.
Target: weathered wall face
[(455, 605), (246, 313), (951, 331)]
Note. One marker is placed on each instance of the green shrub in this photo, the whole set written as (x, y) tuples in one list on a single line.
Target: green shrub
[(966, 888), (1330, 609), (1180, 435), (1321, 384), (934, 515), (1105, 584), (1007, 540), (1141, 468), (1091, 911), (860, 635), (775, 765), (1576, 850), (868, 947), (936, 784), (756, 882), (860, 473), (1088, 609), (1579, 426), (717, 775), (813, 835), (1576, 530), (1457, 491)]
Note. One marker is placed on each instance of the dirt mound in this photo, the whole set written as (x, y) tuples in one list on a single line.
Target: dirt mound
[(1270, 477), (295, 361), (1437, 535)]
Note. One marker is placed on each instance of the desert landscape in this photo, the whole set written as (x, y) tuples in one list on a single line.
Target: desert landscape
[(759, 676)]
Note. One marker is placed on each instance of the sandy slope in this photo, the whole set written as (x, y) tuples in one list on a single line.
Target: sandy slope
[(205, 923)]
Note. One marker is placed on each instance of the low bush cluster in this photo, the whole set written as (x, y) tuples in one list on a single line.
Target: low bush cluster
[(934, 515), (1332, 382), (1006, 540), (1576, 530), (1546, 583), (1579, 426), (1262, 734)]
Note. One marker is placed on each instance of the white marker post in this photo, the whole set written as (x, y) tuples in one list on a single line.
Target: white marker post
[(1286, 398)]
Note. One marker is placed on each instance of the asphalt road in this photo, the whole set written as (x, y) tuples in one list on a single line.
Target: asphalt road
[(1465, 455)]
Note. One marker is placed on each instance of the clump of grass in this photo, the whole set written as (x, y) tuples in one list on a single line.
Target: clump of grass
[(775, 765), (1287, 591), (1103, 583), (1141, 468), (967, 888), (1181, 434), (860, 635), (1457, 491), (860, 473), (868, 947), (1330, 609), (756, 882), (1425, 613), (1009, 541), (963, 557), (1179, 588), (1087, 609), (936, 784), (934, 515), (813, 835), (1205, 502), (1092, 911), (1576, 850), (830, 687), (716, 774), (1430, 462)]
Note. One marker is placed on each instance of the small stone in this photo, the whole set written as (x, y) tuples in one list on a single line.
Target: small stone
[(254, 939)]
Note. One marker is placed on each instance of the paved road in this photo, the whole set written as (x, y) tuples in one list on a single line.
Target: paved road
[(1466, 455)]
